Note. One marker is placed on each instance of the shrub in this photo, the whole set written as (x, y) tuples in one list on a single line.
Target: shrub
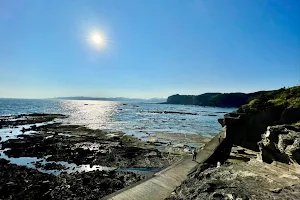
[(283, 97)]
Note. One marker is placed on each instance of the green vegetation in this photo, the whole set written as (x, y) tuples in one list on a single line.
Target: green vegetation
[(284, 97), (214, 99), (252, 102)]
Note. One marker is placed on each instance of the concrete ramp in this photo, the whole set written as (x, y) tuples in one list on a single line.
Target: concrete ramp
[(162, 184)]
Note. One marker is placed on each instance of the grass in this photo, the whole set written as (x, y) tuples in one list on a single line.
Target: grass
[(284, 97)]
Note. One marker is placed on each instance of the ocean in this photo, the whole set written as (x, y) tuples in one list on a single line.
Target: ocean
[(131, 118)]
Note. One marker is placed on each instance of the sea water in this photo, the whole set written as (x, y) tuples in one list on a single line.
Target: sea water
[(132, 118)]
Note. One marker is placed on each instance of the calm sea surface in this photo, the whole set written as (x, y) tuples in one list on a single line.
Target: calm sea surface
[(131, 118)]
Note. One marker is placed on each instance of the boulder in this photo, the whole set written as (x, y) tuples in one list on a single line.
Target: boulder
[(280, 143)]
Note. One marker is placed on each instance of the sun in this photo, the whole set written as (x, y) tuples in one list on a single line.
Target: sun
[(97, 39)]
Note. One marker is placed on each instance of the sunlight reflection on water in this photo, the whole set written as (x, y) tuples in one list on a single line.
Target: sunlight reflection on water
[(95, 114), (131, 118)]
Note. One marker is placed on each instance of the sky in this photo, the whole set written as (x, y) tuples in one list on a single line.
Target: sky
[(150, 48)]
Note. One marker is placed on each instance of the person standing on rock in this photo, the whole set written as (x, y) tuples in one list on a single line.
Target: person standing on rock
[(194, 153)]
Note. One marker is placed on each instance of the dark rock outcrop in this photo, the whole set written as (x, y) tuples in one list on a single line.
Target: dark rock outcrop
[(245, 126), (221, 153), (280, 143), (20, 182), (251, 179), (245, 129), (173, 112), (290, 115), (17, 120), (99, 149)]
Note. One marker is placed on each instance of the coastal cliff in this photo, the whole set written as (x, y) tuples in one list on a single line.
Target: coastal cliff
[(234, 100), (263, 163), (245, 126)]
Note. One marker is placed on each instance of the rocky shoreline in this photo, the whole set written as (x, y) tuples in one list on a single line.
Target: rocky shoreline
[(20, 182), (259, 158), (271, 173), (71, 161), (84, 147)]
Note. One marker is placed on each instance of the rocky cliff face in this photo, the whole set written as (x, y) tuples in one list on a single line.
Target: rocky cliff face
[(280, 143), (245, 129), (258, 125), (245, 126)]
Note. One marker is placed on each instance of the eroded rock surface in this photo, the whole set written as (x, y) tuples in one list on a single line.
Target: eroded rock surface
[(280, 143), (245, 129), (252, 180)]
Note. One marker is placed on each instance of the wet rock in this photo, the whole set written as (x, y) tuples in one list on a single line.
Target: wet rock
[(18, 182), (50, 166), (173, 112), (87, 147), (3, 161), (28, 119), (113, 149), (210, 115)]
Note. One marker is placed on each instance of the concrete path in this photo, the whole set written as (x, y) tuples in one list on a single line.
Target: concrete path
[(162, 184)]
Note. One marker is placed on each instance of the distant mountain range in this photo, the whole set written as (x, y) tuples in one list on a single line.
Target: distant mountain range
[(152, 100)]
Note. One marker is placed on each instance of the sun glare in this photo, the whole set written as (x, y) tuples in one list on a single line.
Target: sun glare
[(97, 39)]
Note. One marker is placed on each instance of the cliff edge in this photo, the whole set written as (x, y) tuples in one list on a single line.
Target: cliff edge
[(245, 126), (263, 163)]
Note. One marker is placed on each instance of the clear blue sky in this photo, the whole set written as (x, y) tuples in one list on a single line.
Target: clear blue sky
[(155, 48)]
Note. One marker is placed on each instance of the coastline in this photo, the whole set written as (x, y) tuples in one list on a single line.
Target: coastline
[(259, 159), (51, 151)]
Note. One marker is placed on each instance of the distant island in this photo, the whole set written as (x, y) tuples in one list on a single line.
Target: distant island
[(152, 100), (215, 99)]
